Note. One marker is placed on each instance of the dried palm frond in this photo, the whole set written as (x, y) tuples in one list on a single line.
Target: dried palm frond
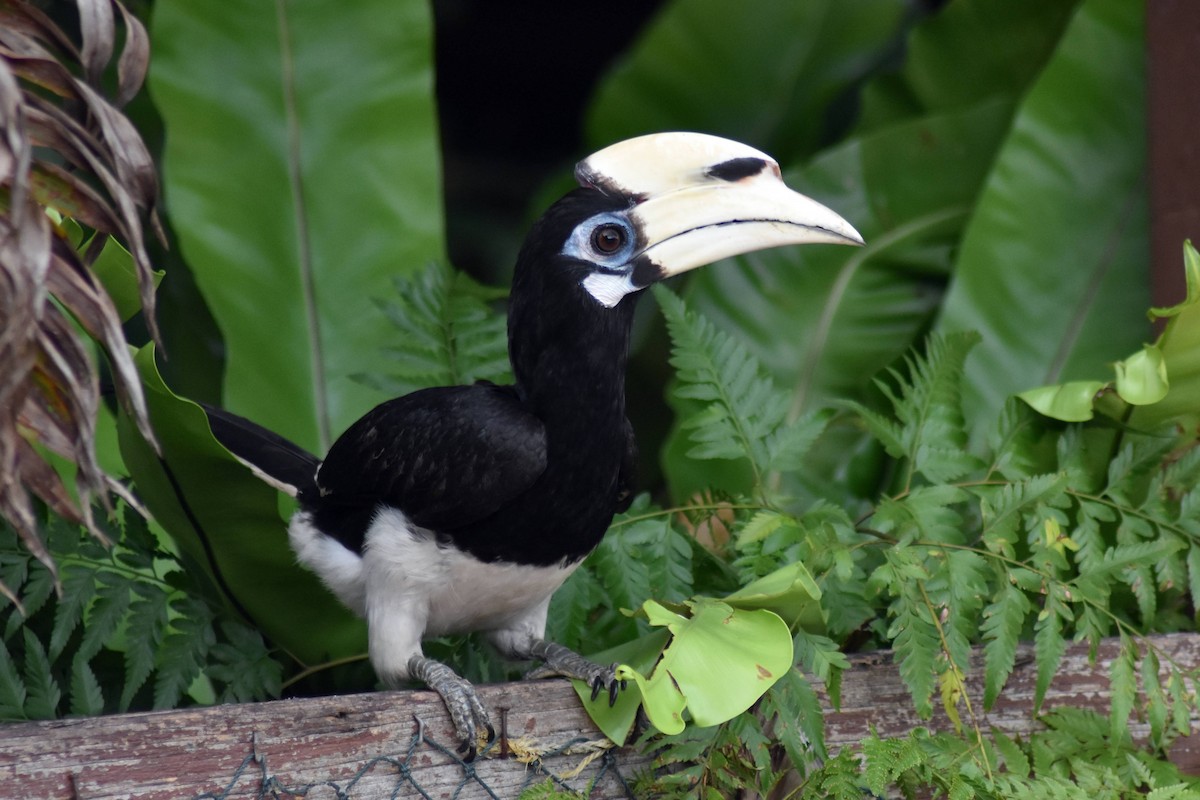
[(65, 151)]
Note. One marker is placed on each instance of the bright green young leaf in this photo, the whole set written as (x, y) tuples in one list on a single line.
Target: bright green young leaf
[(1142, 378), (790, 591), (302, 171), (661, 697), (1180, 346), (1052, 267), (1191, 276), (1070, 402), (722, 659), (228, 523)]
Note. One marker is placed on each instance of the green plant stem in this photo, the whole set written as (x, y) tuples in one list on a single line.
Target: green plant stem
[(959, 675), (315, 668)]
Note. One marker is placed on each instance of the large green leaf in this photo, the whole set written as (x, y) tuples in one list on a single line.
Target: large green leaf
[(301, 172), (966, 52), (229, 524), (1053, 265), (765, 74)]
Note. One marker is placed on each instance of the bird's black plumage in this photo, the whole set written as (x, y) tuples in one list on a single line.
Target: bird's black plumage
[(449, 457), (526, 474)]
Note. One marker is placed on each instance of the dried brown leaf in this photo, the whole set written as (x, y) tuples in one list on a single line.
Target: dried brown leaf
[(53, 186), (78, 290), (135, 58), (100, 173), (43, 72), (98, 29), (21, 16)]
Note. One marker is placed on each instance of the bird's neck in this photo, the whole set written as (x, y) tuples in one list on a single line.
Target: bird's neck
[(569, 363)]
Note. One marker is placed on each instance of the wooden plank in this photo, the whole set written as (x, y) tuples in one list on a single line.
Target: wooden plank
[(365, 746), (359, 746), (874, 695)]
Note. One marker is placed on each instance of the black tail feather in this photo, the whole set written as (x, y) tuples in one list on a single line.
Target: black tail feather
[(281, 462)]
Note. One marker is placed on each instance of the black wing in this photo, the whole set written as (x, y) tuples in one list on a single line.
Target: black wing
[(446, 457)]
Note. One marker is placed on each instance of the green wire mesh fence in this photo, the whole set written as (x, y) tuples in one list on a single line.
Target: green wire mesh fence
[(582, 766)]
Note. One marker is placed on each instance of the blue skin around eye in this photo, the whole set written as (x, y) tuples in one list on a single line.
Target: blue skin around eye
[(579, 244)]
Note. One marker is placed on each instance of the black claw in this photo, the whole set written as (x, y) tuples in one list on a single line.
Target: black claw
[(467, 748), (613, 688), (597, 683), (491, 733)]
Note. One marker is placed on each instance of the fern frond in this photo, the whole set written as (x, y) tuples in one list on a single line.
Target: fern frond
[(570, 610), (183, 652), (957, 589), (244, 666), (1156, 699), (78, 587), (106, 612), (887, 759), (42, 692), (1048, 644), (928, 404), (1181, 703), (12, 687), (1015, 760), (1004, 509), (743, 410), (87, 698), (915, 639), (821, 656), (839, 779), (797, 720), (1123, 685), (926, 513), (145, 628), (1003, 620), (788, 445), (448, 332), (38, 589)]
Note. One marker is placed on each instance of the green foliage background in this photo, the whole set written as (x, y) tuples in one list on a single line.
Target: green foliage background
[(848, 410)]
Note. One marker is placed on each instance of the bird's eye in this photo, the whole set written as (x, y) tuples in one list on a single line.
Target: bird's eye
[(608, 239)]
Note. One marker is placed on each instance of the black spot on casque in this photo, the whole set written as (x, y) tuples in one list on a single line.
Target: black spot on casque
[(737, 168)]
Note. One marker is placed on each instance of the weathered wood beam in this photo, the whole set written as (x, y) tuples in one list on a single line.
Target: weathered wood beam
[(365, 746), (874, 695)]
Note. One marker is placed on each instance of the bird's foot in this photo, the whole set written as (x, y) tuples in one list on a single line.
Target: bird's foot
[(562, 661), (466, 711)]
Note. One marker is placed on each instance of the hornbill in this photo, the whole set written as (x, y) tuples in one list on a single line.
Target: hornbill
[(463, 508)]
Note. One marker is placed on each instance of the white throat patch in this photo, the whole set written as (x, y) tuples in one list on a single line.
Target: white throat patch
[(608, 289)]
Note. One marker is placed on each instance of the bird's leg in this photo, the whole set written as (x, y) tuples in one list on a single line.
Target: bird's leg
[(559, 660), (396, 619), (522, 641), (466, 711)]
